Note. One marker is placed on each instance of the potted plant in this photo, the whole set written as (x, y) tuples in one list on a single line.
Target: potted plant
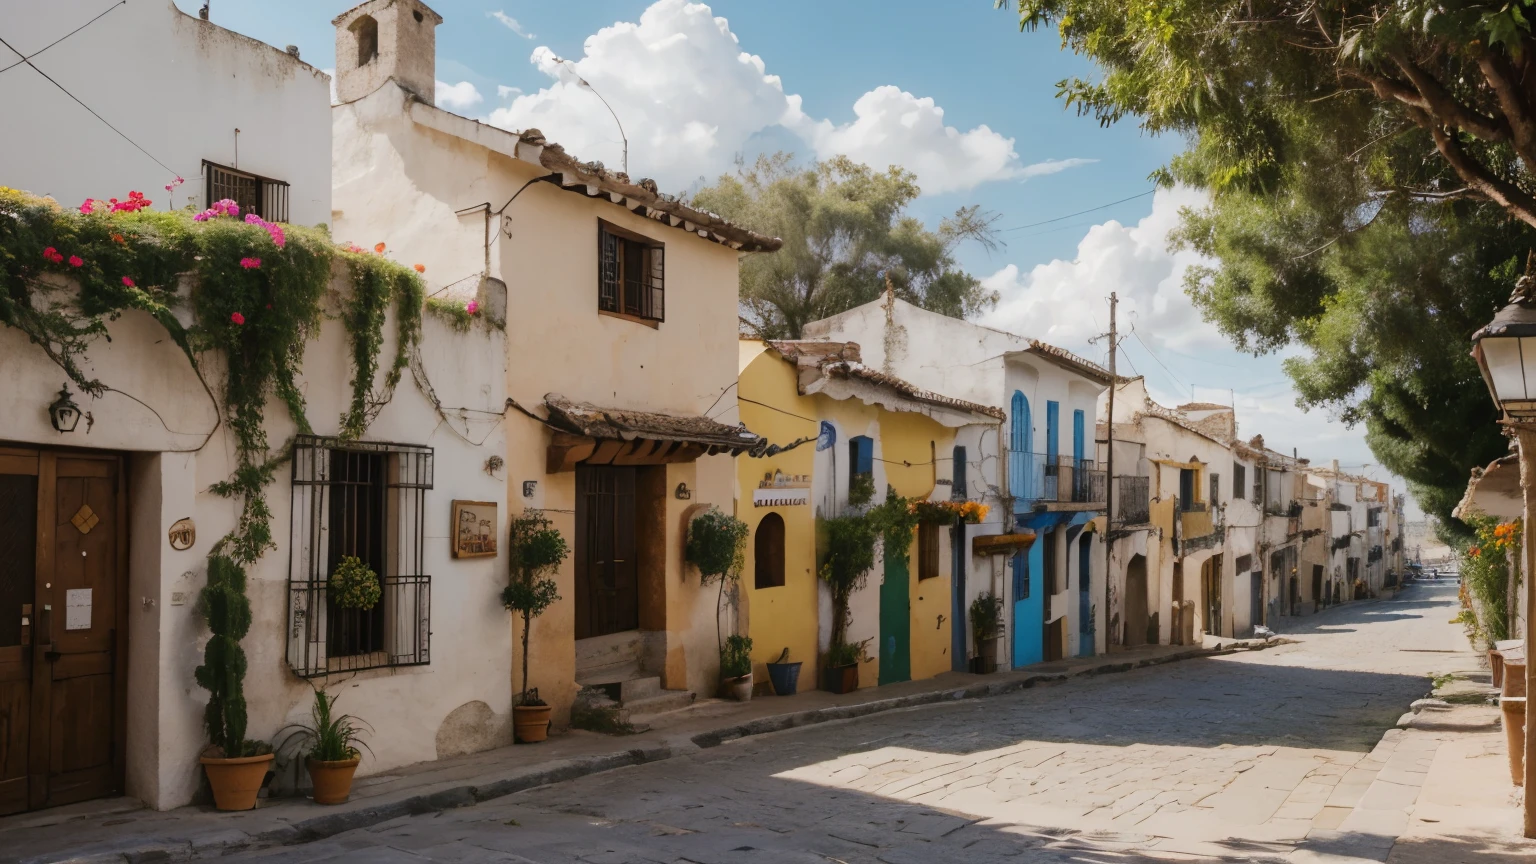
[(236, 766), (986, 626), (333, 756), (736, 667), (535, 550), (850, 555), (784, 675), (354, 585), (717, 544)]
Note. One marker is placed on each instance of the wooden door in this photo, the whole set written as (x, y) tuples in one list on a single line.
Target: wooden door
[(607, 584), (896, 620), (66, 663)]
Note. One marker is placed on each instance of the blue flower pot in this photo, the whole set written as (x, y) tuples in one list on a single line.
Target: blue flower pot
[(785, 677)]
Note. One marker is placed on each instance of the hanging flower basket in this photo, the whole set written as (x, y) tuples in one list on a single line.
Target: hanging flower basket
[(354, 585)]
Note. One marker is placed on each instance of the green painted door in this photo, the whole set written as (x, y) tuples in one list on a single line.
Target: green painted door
[(895, 622)]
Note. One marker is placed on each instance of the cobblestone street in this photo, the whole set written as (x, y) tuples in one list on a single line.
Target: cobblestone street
[(1241, 757)]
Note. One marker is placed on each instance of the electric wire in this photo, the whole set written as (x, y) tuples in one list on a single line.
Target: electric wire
[(4, 69), (1078, 213), (77, 100)]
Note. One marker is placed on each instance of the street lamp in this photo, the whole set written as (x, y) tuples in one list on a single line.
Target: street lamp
[(1505, 351), (64, 413)]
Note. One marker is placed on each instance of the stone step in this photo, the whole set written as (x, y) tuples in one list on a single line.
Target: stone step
[(638, 690), (643, 710), (610, 659)]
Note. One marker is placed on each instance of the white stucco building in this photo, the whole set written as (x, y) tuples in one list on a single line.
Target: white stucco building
[(176, 96)]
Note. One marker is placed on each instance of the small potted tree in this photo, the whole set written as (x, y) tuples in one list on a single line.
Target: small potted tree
[(736, 667), (236, 766), (717, 544), (986, 626), (332, 757), (850, 555), (535, 550)]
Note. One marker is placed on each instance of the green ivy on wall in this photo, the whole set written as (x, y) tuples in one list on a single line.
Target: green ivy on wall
[(257, 292)]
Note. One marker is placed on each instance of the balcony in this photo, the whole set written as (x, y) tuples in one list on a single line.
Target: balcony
[(1040, 481), (1133, 501), (1278, 507), (1195, 523)]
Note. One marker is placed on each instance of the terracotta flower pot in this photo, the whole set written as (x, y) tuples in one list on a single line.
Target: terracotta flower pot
[(740, 688), (1514, 735), (235, 782), (530, 723), (332, 780)]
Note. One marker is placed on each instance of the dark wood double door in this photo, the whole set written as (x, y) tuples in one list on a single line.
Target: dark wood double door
[(607, 557), (62, 627)]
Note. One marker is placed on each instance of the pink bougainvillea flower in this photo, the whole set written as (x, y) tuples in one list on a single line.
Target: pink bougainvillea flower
[(419, 268), (129, 282), (472, 307), (237, 318), (74, 261), (250, 263), (379, 248), (50, 252)]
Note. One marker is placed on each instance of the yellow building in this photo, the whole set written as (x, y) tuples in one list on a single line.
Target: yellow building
[(841, 425)]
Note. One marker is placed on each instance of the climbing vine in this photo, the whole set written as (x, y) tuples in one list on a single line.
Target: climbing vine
[(256, 293)]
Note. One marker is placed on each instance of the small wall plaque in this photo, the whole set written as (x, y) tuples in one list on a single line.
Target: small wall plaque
[(77, 609), (183, 534), (474, 529)]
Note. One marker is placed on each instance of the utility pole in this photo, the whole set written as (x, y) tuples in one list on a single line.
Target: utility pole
[(1109, 463)]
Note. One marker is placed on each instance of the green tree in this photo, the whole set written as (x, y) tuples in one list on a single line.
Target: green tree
[(845, 230), (1364, 167)]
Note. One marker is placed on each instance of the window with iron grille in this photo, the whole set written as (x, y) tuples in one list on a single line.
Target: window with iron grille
[(263, 196), (631, 274), (1239, 480), (366, 500)]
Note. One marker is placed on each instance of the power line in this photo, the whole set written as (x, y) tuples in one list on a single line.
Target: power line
[(60, 39), (1149, 351), (66, 92), (1078, 213)]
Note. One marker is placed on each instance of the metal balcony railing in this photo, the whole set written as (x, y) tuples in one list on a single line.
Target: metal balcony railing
[(1133, 501), (1035, 478)]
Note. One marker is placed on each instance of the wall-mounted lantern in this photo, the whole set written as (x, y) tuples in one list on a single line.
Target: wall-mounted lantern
[(1505, 351), (64, 413)]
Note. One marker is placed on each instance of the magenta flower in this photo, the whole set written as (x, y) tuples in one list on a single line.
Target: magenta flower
[(250, 263), (237, 318), (472, 307), (74, 261), (129, 282)]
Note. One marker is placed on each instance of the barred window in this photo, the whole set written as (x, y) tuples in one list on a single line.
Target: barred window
[(263, 196), (360, 499), (631, 274), (927, 551)]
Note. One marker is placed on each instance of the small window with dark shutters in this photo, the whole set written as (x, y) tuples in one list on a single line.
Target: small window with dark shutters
[(263, 196), (1215, 489), (1239, 481), (768, 553), (927, 551), (631, 275)]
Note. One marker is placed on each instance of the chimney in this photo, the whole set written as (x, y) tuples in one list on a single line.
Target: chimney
[(384, 39)]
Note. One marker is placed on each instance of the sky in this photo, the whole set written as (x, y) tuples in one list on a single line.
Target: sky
[(952, 91)]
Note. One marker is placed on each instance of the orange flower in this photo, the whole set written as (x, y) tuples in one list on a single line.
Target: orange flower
[(117, 238), (379, 248), (420, 268)]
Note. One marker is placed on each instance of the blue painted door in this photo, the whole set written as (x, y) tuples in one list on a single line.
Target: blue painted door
[(1052, 451), (1028, 606), (1078, 422), (1084, 594), (1019, 448)]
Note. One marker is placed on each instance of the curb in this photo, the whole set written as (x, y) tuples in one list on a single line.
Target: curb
[(326, 825)]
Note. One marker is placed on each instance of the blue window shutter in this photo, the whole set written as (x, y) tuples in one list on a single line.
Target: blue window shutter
[(957, 475), (1018, 432), (1077, 435), (1052, 430), (863, 453)]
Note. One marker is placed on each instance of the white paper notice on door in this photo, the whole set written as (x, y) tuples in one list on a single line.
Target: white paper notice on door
[(77, 609)]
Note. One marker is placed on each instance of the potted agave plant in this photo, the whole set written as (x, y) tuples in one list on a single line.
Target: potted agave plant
[(236, 766), (717, 545), (535, 550), (333, 756)]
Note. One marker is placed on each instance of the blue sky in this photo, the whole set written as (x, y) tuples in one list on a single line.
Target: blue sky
[(852, 76)]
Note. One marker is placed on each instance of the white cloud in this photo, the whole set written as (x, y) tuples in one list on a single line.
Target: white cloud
[(893, 127), (458, 97), (1052, 166), (510, 23), (691, 99), (503, 92), (1066, 302)]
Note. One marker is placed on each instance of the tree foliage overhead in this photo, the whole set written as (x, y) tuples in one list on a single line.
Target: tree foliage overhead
[(845, 231), (1366, 170)]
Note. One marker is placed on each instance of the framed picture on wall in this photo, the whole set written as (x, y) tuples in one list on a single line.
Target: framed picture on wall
[(474, 529)]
